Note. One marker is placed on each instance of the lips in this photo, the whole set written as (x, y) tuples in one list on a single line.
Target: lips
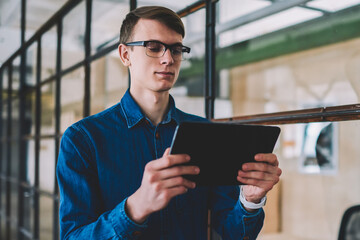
[(165, 73)]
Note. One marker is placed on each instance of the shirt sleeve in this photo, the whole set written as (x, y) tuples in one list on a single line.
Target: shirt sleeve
[(229, 218), (81, 210)]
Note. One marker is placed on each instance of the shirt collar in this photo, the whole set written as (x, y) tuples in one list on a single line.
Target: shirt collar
[(133, 113)]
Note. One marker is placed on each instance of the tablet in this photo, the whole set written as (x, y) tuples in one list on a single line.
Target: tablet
[(220, 149)]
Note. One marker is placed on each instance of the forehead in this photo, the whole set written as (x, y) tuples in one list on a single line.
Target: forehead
[(148, 29)]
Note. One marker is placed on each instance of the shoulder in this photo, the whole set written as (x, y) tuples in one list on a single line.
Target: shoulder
[(110, 117)]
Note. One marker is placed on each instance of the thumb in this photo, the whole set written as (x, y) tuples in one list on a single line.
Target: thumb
[(167, 152)]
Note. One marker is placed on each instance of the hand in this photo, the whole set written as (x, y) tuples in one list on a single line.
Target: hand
[(161, 182), (259, 177)]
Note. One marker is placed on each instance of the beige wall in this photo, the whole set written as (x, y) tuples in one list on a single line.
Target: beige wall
[(310, 205)]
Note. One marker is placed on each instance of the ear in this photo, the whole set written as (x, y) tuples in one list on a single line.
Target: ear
[(124, 55)]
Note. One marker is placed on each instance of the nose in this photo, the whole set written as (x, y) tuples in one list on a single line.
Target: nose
[(167, 58)]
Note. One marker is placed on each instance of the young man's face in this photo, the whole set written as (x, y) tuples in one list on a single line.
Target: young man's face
[(148, 73)]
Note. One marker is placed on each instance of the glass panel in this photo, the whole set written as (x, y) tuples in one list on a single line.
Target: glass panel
[(109, 81), (274, 70), (173, 5), (266, 25), (14, 205), (326, 76), (3, 174), (10, 28), (223, 107), (48, 53), (107, 17), (30, 160), (73, 36), (4, 119), (29, 211), (38, 12), (3, 155), (16, 77), (72, 98), (3, 207), (31, 61), (15, 138), (46, 217), (47, 165), (30, 115), (5, 82), (4, 108), (313, 209), (188, 92), (48, 109)]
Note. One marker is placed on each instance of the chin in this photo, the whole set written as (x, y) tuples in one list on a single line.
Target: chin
[(164, 89)]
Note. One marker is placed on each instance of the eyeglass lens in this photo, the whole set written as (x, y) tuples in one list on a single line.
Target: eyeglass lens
[(157, 49)]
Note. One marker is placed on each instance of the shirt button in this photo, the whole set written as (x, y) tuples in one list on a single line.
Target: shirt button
[(157, 135), (136, 233), (246, 238), (246, 219)]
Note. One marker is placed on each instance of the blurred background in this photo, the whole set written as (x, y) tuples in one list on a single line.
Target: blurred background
[(59, 63)]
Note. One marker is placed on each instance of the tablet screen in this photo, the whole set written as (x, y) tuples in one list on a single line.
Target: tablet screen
[(220, 149)]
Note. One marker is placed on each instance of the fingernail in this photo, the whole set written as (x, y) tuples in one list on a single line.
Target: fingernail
[(197, 170), (187, 157)]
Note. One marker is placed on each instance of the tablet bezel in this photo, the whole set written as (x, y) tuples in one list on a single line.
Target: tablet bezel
[(212, 147)]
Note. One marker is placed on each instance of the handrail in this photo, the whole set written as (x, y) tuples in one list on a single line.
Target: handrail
[(321, 114)]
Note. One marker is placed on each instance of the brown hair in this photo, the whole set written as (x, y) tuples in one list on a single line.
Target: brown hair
[(161, 14)]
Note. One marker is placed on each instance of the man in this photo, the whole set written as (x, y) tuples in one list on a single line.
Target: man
[(110, 185)]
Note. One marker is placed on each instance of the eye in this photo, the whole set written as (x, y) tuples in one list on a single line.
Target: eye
[(154, 47), (177, 50)]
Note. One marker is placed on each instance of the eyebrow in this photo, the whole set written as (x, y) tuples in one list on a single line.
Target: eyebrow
[(156, 40)]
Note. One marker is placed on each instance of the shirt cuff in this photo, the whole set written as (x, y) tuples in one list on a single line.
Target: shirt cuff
[(251, 205), (124, 227), (245, 212)]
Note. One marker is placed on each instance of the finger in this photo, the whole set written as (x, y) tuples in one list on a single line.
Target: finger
[(169, 161), (265, 185), (262, 176), (262, 167), (269, 158), (176, 182), (178, 171), (175, 191)]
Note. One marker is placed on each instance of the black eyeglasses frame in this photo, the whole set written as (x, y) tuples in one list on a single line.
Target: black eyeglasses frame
[(167, 46)]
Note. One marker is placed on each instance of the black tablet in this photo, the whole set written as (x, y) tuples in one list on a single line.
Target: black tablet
[(220, 149)]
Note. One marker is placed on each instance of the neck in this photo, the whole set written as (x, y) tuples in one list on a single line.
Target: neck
[(153, 104)]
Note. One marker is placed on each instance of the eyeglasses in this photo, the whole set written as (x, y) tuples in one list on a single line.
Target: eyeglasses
[(157, 49)]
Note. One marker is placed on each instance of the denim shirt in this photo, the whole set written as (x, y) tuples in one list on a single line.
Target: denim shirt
[(101, 163)]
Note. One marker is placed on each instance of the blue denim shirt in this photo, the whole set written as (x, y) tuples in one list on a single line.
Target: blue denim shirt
[(101, 163)]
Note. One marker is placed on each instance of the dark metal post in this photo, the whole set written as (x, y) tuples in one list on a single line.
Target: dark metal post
[(210, 59), (87, 100), (57, 127), (1, 146), (37, 143), (133, 5), (23, 21), (210, 71), (22, 167), (8, 155)]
